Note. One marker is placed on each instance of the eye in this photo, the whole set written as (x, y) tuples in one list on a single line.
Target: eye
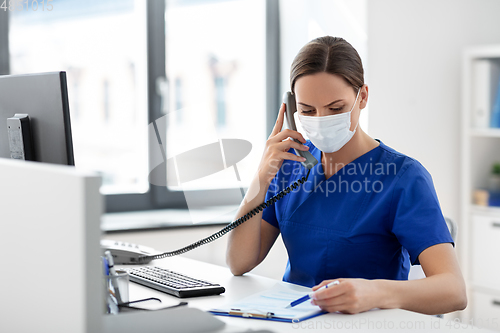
[(337, 109), (306, 111)]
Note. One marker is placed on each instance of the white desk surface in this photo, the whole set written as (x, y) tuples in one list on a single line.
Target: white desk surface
[(238, 287)]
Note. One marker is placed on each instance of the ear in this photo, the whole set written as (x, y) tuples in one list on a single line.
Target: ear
[(363, 96)]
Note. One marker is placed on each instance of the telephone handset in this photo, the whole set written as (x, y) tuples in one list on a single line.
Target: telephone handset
[(291, 108), (125, 254)]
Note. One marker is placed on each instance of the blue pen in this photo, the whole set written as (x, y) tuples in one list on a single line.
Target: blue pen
[(308, 296), (112, 271), (105, 266)]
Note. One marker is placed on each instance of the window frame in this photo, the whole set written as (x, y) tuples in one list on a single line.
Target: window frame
[(159, 197), (4, 43)]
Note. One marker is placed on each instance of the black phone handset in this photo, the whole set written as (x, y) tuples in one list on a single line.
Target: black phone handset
[(291, 108)]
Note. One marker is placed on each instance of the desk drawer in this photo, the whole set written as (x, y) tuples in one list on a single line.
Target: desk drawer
[(486, 310), (486, 251)]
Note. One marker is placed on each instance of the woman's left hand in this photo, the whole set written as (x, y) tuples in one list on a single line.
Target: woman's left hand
[(349, 296)]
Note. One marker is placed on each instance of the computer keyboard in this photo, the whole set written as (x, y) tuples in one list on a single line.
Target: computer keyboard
[(173, 283)]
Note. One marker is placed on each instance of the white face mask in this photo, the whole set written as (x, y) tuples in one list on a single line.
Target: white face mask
[(329, 133)]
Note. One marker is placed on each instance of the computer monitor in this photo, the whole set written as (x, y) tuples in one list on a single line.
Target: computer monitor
[(44, 98)]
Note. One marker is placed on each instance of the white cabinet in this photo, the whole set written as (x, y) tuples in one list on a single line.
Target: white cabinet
[(479, 234), (486, 251), (485, 310)]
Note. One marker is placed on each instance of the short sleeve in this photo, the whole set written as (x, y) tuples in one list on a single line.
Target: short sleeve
[(418, 222), (269, 213)]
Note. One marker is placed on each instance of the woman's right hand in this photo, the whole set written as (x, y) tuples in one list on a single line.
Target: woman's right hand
[(277, 146)]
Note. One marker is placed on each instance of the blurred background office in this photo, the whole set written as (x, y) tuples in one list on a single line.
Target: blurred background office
[(199, 71)]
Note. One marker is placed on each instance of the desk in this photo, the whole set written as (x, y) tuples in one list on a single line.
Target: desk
[(70, 212), (238, 287)]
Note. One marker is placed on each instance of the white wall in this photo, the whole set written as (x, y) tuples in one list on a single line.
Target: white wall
[(414, 64)]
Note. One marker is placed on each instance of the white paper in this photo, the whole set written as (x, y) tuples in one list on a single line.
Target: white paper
[(275, 301)]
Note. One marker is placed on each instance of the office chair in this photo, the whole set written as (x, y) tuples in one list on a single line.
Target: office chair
[(453, 227)]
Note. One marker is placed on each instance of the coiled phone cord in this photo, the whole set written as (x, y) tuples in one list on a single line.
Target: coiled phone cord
[(231, 225)]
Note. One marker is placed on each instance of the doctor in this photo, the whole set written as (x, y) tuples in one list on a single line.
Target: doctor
[(366, 211)]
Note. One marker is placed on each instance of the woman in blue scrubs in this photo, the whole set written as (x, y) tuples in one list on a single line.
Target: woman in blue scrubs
[(366, 212)]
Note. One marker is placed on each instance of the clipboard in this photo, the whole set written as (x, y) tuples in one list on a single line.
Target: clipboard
[(271, 305), (250, 313)]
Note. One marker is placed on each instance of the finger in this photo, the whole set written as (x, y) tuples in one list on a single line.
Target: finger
[(287, 144), (336, 308), (292, 157), (323, 283), (288, 133), (335, 305), (279, 121), (335, 301), (332, 291)]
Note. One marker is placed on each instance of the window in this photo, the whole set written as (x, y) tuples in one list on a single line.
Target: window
[(217, 49), (101, 45), (151, 80)]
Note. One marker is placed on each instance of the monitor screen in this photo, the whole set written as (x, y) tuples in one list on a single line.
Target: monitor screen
[(44, 99)]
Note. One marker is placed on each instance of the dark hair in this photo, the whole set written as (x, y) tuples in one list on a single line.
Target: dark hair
[(332, 55)]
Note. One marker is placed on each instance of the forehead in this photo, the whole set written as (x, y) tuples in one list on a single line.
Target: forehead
[(321, 88)]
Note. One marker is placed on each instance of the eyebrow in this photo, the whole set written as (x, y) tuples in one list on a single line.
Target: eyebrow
[(338, 100)]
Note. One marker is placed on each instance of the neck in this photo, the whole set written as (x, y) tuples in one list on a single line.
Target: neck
[(360, 144)]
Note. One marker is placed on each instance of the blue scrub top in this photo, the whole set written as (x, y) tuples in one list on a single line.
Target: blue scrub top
[(366, 221)]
